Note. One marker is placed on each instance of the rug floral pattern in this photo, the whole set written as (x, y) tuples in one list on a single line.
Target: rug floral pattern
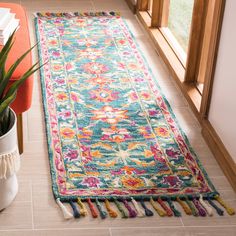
[(110, 130)]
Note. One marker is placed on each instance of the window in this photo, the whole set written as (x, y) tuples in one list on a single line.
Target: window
[(178, 28), (186, 35), (180, 18)]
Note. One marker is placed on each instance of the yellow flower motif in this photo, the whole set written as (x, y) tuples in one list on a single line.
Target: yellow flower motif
[(67, 133), (146, 132), (96, 154), (75, 175), (162, 132), (92, 173), (70, 186), (57, 67), (148, 153), (85, 133), (131, 182)]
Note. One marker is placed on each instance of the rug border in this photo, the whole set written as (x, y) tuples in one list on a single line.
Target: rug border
[(47, 127)]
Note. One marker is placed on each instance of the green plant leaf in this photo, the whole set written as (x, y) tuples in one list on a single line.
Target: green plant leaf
[(7, 97), (11, 70), (17, 83), (4, 53), (6, 102), (8, 43), (5, 121), (3, 59)]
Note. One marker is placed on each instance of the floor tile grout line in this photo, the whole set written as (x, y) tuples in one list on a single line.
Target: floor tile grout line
[(118, 228), (181, 220), (110, 231), (27, 122), (32, 208)]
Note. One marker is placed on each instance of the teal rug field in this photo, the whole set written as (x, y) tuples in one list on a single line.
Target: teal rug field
[(112, 135)]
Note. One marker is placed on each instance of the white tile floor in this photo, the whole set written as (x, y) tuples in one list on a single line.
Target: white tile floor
[(34, 212)]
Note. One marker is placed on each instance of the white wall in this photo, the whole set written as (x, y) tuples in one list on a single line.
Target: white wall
[(222, 114)]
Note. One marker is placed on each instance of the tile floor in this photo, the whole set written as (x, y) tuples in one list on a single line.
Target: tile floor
[(34, 212)]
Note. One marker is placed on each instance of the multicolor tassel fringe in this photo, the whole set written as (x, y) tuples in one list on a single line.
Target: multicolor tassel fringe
[(92, 208), (192, 207), (218, 210), (83, 210), (67, 215), (110, 211), (158, 210), (72, 14), (172, 207), (196, 206), (166, 208), (208, 209), (185, 206), (132, 213), (201, 210), (229, 210), (119, 207), (140, 212), (148, 212), (75, 210), (103, 213)]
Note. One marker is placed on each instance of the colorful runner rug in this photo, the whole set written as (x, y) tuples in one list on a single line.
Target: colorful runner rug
[(111, 133)]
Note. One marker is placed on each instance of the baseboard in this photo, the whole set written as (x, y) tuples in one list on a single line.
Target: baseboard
[(221, 154), (131, 5)]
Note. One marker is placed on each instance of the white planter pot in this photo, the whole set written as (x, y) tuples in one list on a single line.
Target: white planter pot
[(9, 164)]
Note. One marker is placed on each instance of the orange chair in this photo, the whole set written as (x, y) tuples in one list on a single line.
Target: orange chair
[(22, 43)]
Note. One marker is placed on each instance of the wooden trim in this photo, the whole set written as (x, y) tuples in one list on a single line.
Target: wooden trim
[(131, 5), (210, 50), (171, 40), (193, 97), (142, 5), (162, 46), (195, 40), (171, 60), (160, 13), (221, 154), (155, 22), (20, 133)]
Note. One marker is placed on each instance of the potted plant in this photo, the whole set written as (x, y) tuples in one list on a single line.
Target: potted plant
[(9, 154)]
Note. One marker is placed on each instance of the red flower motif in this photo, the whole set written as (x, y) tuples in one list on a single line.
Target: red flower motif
[(95, 68), (91, 182)]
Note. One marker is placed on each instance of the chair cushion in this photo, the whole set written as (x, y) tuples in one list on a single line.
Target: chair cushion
[(22, 44)]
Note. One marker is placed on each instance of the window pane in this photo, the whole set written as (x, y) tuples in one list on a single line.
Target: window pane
[(180, 16)]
